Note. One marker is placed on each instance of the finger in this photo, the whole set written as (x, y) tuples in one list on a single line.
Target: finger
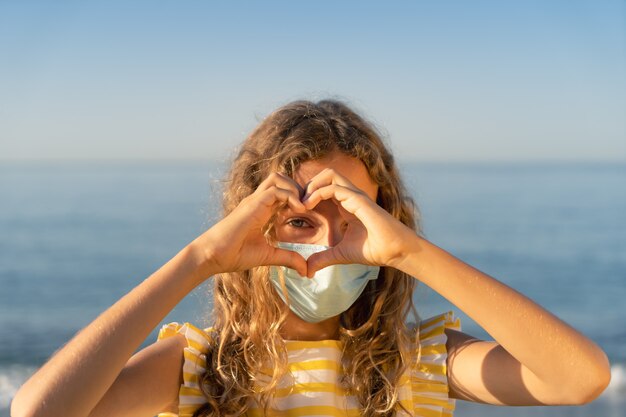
[(347, 198), (281, 181), (326, 177), (274, 196), (290, 259), (321, 260)]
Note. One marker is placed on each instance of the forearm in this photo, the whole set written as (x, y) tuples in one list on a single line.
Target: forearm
[(549, 347), (77, 376)]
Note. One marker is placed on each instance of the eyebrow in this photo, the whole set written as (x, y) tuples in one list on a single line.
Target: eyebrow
[(287, 211)]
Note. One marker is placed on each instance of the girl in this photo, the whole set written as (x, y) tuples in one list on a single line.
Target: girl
[(314, 266)]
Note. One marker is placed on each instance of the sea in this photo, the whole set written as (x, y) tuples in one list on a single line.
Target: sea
[(75, 236)]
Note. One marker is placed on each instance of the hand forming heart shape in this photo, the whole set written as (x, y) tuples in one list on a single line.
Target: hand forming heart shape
[(370, 234)]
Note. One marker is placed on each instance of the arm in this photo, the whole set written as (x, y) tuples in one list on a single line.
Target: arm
[(77, 376), (92, 372), (149, 383), (537, 359)]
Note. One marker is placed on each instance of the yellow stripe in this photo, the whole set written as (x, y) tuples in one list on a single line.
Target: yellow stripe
[(189, 377), (448, 319), (431, 368), (311, 387), (404, 380), (429, 322), (168, 330), (315, 365), (322, 364), (307, 411), (197, 346), (197, 360), (423, 387), (453, 322), (434, 349), (416, 379), (432, 332), (192, 392)]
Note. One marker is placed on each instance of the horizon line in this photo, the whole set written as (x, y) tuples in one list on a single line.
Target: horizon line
[(224, 159)]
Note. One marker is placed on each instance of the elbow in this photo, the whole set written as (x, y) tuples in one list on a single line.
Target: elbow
[(22, 406), (595, 382), (20, 410), (595, 387)]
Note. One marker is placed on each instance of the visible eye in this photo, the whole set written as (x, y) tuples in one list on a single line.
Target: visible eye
[(298, 223)]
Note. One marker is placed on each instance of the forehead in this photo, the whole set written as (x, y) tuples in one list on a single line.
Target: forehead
[(348, 167)]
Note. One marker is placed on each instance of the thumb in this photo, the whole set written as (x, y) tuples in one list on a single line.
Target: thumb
[(321, 260), (290, 259)]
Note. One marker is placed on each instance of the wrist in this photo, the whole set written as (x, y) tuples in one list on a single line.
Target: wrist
[(202, 259), (412, 250)]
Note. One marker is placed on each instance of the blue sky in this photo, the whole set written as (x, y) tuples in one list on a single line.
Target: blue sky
[(443, 81)]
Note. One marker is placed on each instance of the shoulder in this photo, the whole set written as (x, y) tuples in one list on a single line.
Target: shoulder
[(154, 374), (191, 346)]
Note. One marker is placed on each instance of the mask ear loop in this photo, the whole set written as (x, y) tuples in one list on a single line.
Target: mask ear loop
[(268, 232), (283, 286)]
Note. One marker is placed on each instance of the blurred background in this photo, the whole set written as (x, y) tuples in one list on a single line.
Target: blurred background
[(118, 120)]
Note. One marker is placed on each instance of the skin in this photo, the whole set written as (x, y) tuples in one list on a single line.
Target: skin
[(96, 373)]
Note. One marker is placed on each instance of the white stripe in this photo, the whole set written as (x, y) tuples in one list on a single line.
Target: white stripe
[(434, 359), (315, 375), (307, 354), (430, 377), (192, 334), (405, 393), (305, 376), (433, 394), (429, 406), (190, 399), (316, 399), (431, 327), (191, 384), (192, 367)]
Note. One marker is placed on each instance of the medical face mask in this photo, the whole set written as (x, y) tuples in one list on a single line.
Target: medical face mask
[(330, 292)]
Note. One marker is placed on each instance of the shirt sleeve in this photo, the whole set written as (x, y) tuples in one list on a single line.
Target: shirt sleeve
[(429, 377), (190, 397)]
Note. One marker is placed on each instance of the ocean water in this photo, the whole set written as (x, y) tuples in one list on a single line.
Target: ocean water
[(77, 236)]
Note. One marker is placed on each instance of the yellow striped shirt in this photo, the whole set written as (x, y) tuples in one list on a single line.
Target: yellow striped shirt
[(312, 387)]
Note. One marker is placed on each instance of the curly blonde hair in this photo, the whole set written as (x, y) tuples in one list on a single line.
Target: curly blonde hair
[(248, 357)]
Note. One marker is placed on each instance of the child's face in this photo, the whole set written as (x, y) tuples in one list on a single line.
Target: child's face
[(325, 224)]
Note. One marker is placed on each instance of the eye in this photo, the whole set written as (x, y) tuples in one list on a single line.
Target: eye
[(298, 223)]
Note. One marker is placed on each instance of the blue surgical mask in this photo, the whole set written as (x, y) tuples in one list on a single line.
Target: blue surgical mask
[(330, 292)]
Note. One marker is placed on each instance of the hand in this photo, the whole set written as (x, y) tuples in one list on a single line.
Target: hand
[(238, 242), (372, 236)]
